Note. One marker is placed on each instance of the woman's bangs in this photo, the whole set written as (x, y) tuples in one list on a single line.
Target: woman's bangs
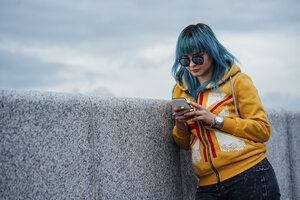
[(189, 45)]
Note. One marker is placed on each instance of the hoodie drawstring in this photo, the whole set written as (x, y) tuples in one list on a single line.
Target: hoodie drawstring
[(236, 111)]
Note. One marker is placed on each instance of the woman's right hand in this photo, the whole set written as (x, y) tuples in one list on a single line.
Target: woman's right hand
[(180, 118)]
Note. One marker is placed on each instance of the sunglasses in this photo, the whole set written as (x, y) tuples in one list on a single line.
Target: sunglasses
[(197, 59)]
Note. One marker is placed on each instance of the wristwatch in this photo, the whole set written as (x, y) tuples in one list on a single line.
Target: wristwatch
[(217, 122)]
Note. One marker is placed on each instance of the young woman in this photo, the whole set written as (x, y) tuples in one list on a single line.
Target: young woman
[(227, 127)]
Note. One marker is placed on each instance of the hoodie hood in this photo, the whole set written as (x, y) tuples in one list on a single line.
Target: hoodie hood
[(228, 73)]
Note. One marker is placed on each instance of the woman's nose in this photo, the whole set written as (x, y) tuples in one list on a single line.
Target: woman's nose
[(192, 64)]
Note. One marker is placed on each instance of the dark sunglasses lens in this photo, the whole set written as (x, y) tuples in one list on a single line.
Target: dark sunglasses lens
[(184, 61), (198, 60)]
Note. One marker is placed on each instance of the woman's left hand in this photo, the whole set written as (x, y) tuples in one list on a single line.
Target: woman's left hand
[(201, 114)]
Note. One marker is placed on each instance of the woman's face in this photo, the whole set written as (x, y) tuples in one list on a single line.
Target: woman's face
[(202, 71)]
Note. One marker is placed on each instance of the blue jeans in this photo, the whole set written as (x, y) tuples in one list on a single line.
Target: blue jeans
[(259, 182)]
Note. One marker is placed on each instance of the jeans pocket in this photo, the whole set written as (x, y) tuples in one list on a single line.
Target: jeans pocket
[(268, 181)]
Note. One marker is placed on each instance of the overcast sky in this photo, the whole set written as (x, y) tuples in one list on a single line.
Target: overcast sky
[(126, 47)]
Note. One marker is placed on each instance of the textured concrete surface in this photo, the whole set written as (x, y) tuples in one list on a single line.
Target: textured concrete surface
[(135, 155), (294, 141), (278, 151), (189, 179), (65, 146), (45, 150)]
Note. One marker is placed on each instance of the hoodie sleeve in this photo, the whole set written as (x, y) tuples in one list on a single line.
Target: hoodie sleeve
[(181, 137), (252, 122)]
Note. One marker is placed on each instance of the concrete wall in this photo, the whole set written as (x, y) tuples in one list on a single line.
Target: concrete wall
[(66, 146)]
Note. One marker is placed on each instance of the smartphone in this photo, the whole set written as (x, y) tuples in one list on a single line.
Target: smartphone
[(181, 102)]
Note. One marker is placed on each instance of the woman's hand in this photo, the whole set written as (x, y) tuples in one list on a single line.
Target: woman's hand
[(201, 114), (181, 117)]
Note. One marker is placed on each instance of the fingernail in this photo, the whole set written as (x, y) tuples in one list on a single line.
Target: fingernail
[(191, 110), (188, 101), (182, 107)]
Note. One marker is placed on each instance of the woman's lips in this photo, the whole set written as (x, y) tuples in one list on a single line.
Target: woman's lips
[(195, 70)]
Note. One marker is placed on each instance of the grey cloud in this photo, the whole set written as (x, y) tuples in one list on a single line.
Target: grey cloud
[(22, 71), (70, 21), (278, 101), (19, 70), (109, 28)]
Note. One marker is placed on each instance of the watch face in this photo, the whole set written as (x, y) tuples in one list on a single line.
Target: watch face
[(219, 120)]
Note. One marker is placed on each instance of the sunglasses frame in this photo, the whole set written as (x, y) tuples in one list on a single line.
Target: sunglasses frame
[(193, 57)]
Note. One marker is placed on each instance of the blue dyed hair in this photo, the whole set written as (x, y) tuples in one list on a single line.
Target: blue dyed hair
[(200, 38)]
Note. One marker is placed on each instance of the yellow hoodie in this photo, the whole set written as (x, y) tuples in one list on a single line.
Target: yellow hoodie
[(218, 155)]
